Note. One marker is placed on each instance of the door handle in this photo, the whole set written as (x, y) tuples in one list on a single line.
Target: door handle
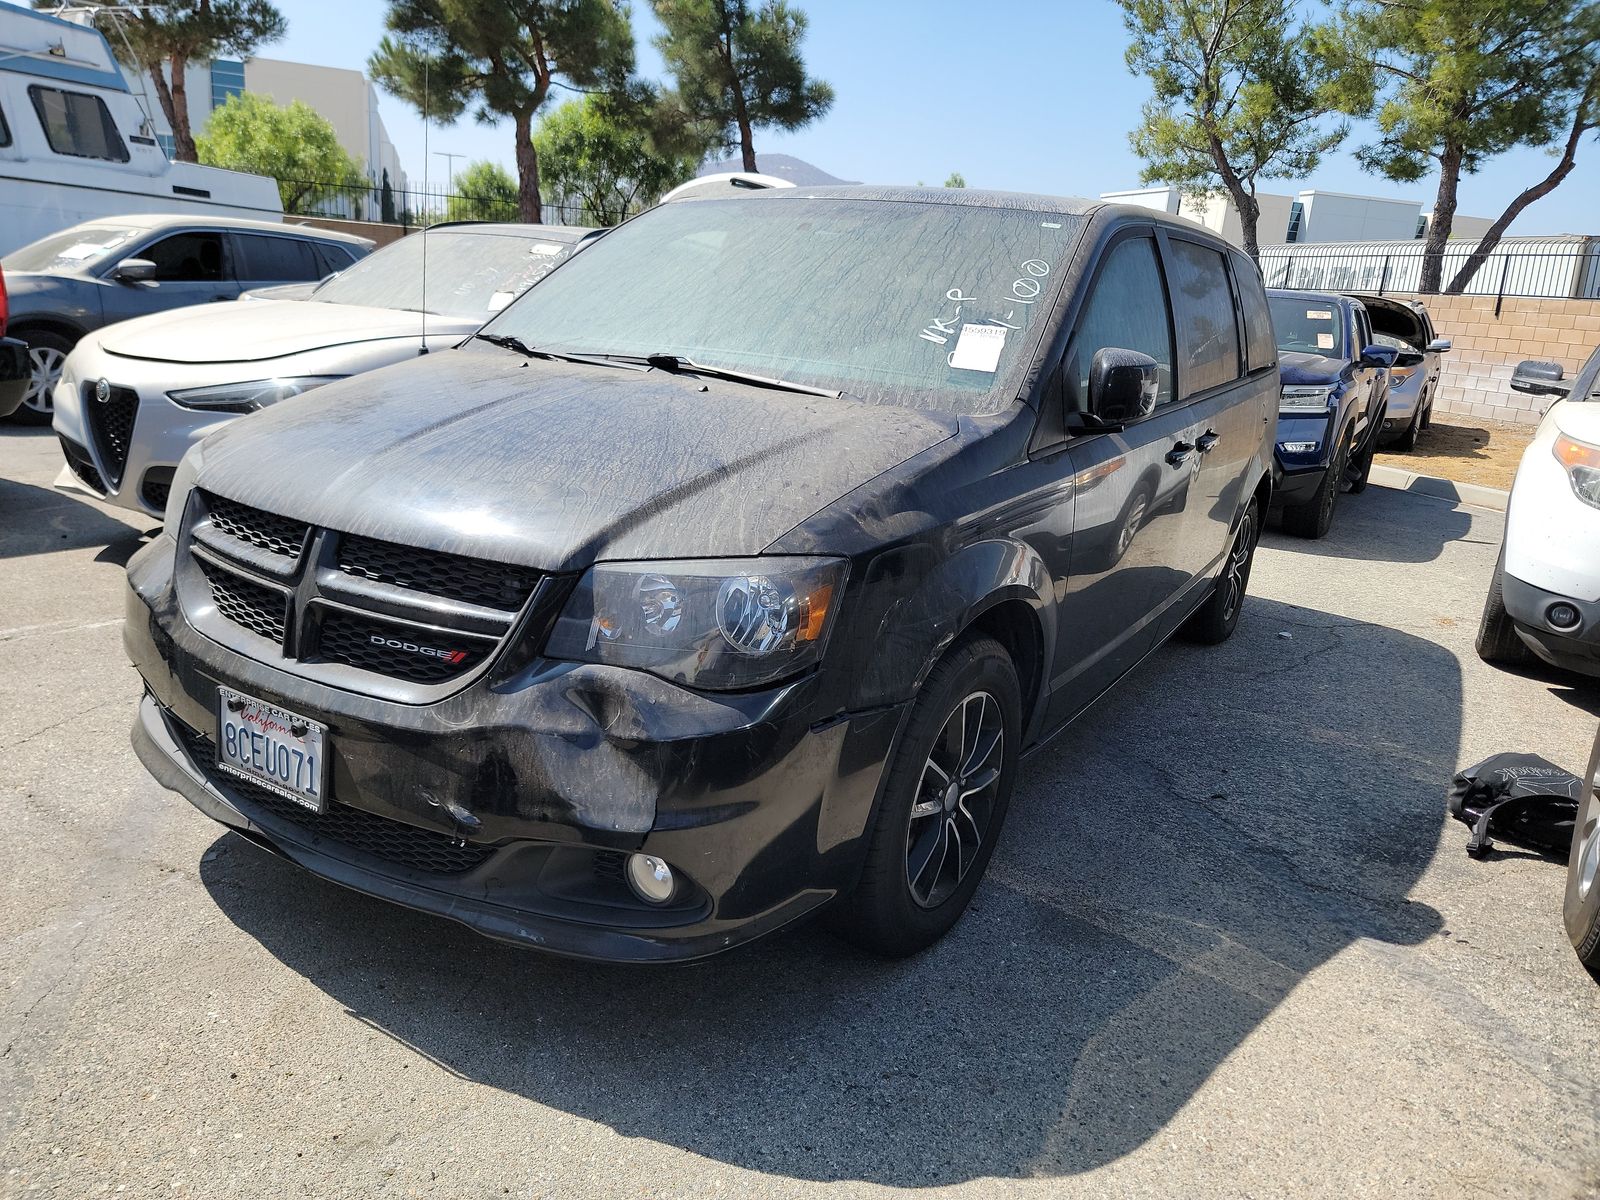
[(1206, 441), (1179, 454)]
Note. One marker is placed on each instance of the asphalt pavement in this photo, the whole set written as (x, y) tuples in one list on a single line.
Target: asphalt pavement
[(1229, 945)]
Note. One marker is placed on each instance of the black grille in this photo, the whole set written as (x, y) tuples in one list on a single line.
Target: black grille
[(157, 487), (350, 639), (470, 580), (82, 465), (110, 423), (393, 841), (246, 603), (263, 530)]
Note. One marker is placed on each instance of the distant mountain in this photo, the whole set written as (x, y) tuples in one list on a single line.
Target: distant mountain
[(784, 166)]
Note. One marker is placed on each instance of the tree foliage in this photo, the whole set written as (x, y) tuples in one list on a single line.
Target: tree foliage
[(500, 58), (956, 180), (484, 191), (1235, 97), (738, 67), (596, 153), (174, 34), (292, 143), (1454, 83)]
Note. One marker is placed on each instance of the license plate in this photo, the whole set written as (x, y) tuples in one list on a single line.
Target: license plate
[(278, 749)]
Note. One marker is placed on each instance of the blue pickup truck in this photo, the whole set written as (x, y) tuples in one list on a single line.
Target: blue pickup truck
[(1335, 387)]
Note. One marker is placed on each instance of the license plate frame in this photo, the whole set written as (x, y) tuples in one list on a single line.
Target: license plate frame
[(295, 745)]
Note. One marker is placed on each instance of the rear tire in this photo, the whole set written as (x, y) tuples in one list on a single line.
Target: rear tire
[(1214, 621), (1314, 518), (47, 350), (1580, 910), (1498, 642), (905, 900)]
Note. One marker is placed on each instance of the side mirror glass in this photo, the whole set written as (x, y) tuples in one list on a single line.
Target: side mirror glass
[(134, 270), (1123, 385), (1409, 358), (1438, 345), (1379, 356)]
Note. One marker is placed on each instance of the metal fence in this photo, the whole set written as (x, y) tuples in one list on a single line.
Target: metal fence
[(414, 207), (1566, 268)]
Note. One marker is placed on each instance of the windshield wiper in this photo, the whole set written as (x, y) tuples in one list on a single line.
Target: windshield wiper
[(510, 341), (676, 364)]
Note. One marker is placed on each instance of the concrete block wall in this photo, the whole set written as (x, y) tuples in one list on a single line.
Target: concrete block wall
[(1476, 379)]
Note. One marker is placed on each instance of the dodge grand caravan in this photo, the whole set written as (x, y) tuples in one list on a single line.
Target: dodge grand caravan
[(725, 575)]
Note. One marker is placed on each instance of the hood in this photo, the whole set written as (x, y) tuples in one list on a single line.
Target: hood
[(1579, 419), (555, 465), (1297, 367), (266, 329)]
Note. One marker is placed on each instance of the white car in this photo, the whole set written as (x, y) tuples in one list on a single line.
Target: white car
[(134, 397), (1544, 599)]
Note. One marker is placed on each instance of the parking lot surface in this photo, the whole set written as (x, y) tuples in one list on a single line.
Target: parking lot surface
[(1229, 946)]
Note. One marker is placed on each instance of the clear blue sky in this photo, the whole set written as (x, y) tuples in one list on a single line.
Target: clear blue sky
[(1024, 95)]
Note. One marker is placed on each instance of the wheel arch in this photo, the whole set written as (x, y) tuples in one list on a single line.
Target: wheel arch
[(19, 327)]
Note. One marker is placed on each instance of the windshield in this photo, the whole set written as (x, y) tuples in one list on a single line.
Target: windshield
[(71, 250), (469, 274), (898, 302), (1307, 326)]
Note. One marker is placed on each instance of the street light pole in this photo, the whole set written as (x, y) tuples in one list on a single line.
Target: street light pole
[(449, 166)]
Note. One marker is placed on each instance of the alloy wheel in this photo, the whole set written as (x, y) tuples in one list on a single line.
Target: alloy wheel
[(46, 363), (1588, 847), (955, 799), (1235, 573)]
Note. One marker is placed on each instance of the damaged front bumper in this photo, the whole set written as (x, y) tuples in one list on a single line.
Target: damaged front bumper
[(511, 807)]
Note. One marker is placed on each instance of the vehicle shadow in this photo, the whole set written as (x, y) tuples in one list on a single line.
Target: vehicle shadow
[(1380, 525), (37, 520), (1174, 865)]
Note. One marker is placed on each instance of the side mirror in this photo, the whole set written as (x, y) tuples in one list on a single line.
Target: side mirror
[(134, 270), (1538, 378), (1439, 346), (1122, 385), (1409, 358), (1379, 356)]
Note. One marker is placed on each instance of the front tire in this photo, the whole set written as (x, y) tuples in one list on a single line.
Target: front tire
[(47, 350), (1214, 621), (1314, 518), (1498, 642), (1407, 441), (943, 804), (1580, 910), (1359, 472)]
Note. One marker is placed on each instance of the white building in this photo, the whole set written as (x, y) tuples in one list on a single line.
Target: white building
[(1309, 216), (345, 98)]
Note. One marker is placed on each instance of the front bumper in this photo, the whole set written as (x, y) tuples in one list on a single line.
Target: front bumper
[(1296, 474), (15, 370), (1572, 649), (529, 794)]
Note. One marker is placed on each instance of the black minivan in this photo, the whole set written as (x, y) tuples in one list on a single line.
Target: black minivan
[(725, 575)]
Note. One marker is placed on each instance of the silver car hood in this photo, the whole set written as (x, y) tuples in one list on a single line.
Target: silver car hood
[(257, 330)]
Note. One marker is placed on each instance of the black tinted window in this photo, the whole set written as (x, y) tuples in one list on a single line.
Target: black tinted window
[(333, 258), (276, 260), (78, 124), (5, 131), (1208, 331), (1261, 347), (186, 257), (1128, 310)]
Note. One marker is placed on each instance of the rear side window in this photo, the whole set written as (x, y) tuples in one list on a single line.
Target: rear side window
[(333, 258), (1127, 309), (186, 257), (5, 131), (1261, 347), (78, 123), (279, 259), (1208, 330)]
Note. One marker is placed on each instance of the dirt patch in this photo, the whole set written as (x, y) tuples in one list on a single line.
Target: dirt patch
[(1485, 452)]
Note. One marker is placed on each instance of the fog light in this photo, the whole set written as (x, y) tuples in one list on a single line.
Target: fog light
[(650, 878), (1297, 447), (1562, 615)]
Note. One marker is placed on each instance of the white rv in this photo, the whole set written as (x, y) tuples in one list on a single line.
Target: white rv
[(75, 143)]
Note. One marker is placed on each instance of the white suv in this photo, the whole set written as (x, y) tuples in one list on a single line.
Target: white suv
[(1544, 599)]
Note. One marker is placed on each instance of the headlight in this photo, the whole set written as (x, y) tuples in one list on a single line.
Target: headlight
[(188, 470), (247, 397), (720, 624), (1582, 462), (1304, 399)]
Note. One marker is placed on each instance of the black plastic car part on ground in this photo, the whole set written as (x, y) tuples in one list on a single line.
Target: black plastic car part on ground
[(731, 578)]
